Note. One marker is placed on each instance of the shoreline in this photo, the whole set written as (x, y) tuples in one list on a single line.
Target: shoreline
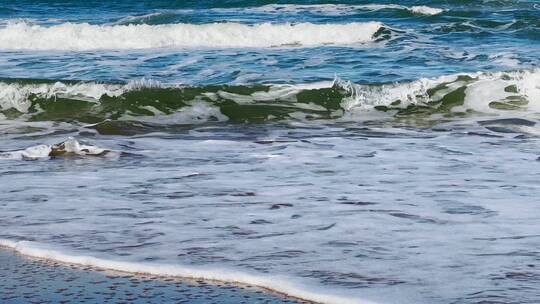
[(28, 278), (277, 285)]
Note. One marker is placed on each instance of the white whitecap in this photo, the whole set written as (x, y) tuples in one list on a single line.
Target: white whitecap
[(31, 153), (426, 10), (18, 96), (68, 147), (84, 37), (480, 91)]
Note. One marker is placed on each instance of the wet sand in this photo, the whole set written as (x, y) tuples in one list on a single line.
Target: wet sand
[(29, 280)]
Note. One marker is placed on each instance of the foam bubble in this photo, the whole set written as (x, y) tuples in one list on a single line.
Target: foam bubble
[(31, 153), (68, 147), (81, 37), (426, 10), (275, 283)]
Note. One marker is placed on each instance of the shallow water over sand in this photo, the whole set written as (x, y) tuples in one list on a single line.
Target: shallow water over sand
[(374, 213)]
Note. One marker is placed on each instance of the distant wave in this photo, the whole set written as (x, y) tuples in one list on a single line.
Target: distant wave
[(82, 37), (165, 16), (347, 9), (277, 284)]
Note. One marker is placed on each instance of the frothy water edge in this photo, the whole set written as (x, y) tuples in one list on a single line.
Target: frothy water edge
[(277, 284)]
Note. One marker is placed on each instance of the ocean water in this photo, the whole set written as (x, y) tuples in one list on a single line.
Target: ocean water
[(339, 151)]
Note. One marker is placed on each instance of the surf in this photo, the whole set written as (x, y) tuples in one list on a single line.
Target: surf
[(85, 37), (155, 103)]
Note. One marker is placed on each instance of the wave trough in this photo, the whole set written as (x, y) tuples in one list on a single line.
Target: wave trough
[(84, 37)]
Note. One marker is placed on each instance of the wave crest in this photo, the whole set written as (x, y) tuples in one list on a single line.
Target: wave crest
[(480, 92), (151, 102), (83, 37), (172, 15)]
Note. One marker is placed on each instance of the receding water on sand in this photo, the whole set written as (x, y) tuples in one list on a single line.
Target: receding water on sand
[(344, 152), (33, 280)]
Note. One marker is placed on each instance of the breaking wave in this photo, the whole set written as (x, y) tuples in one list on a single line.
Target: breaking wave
[(155, 103), (83, 37)]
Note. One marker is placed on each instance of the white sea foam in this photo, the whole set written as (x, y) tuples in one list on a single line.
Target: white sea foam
[(480, 91), (426, 10), (81, 37), (69, 147), (31, 153), (195, 113), (278, 284), (17, 95)]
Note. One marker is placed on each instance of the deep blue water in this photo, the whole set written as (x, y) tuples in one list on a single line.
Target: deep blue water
[(466, 37)]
